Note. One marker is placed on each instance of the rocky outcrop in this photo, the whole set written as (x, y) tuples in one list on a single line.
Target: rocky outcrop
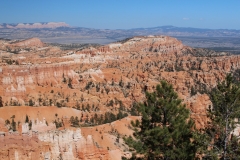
[(55, 144), (15, 80), (22, 46), (72, 145), (45, 142), (32, 42), (91, 82), (15, 146), (35, 25), (201, 52), (3, 128), (160, 44), (198, 105), (95, 73)]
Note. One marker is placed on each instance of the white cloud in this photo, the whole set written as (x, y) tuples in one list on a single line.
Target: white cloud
[(186, 19)]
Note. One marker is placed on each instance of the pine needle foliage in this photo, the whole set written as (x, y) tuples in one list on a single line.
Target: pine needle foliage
[(166, 130), (224, 116)]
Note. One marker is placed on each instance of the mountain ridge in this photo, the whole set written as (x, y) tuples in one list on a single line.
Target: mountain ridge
[(217, 39), (33, 25), (157, 29)]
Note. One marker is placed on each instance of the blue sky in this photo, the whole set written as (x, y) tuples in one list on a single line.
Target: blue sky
[(125, 14)]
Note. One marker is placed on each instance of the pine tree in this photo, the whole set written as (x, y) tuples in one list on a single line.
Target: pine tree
[(72, 121), (166, 130), (76, 122), (26, 119), (223, 115), (1, 102), (30, 125), (31, 102), (13, 125), (70, 83)]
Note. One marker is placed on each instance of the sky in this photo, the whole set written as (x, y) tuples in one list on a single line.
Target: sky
[(125, 14)]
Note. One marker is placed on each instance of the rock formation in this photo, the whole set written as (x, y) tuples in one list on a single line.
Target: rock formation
[(32, 42), (45, 142), (91, 83), (35, 25)]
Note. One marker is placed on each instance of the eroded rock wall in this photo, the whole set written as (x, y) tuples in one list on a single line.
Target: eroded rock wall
[(52, 144)]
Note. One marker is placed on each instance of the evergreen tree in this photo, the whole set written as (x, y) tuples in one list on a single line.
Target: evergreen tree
[(166, 130), (31, 102), (13, 125), (72, 120), (223, 115), (76, 122), (70, 83), (7, 122), (121, 83), (26, 119), (119, 115), (30, 125), (1, 102)]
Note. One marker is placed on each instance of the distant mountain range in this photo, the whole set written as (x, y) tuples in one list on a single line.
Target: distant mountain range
[(62, 28), (188, 31), (34, 25), (60, 32)]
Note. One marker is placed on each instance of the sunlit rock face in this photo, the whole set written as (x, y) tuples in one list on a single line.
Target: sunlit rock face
[(45, 142)]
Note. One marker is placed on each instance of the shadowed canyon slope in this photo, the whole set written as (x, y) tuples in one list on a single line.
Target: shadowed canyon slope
[(44, 81)]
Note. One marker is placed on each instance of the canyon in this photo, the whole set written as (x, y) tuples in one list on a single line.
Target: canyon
[(50, 85)]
